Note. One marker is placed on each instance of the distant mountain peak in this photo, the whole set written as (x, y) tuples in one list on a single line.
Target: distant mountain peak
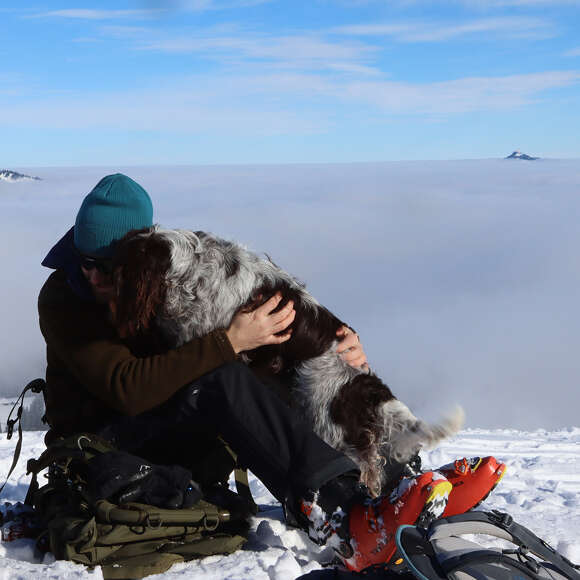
[(8, 175), (519, 155)]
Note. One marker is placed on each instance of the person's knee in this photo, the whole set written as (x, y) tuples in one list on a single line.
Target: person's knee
[(230, 376), (233, 369), (226, 382)]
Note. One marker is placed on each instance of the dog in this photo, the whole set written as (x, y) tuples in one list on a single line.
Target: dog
[(179, 284)]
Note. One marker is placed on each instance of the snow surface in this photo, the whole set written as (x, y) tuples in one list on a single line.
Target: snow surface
[(541, 490)]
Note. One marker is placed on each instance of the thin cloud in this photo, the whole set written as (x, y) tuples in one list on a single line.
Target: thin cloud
[(237, 4), (90, 14), (502, 3), (204, 5), (309, 51), (124, 32), (461, 95), (355, 69), (573, 52), (86, 40), (437, 32), (202, 106), (479, 4), (197, 5), (273, 104)]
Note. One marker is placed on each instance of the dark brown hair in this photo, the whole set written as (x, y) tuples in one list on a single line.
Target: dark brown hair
[(140, 264)]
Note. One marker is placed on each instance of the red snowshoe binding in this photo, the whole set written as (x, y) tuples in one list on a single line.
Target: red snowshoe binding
[(473, 480), (372, 525)]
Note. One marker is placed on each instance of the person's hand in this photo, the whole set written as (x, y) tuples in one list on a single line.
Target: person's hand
[(350, 349), (261, 326)]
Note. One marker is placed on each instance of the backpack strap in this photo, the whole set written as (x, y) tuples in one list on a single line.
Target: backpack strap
[(527, 565), (58, 455), (36, 386), (468, 523), (243, 488), (500, 525), (202, 514), (82, 446), (417, 553), (242, 482)]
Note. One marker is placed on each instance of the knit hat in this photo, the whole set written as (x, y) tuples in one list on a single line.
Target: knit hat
[(115, 206)]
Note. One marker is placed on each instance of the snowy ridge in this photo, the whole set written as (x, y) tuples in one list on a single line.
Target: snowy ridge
[(541, 490), (12, 176)]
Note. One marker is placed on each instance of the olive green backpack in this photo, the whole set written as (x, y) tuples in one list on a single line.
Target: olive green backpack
[(130, 540)]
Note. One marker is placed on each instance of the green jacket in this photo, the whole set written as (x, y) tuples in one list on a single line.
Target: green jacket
[(92, 374)]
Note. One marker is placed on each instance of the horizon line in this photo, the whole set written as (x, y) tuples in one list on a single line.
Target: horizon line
[(277, 163)]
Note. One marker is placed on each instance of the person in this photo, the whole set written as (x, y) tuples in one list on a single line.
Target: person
[(178, 406)]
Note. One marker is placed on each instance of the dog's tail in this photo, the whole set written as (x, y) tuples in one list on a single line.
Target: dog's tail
[(405, 434)]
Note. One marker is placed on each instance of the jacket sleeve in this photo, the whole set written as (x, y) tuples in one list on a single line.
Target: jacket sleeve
[(87, 345)]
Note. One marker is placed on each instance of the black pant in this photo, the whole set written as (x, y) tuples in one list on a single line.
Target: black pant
[(270, 438)]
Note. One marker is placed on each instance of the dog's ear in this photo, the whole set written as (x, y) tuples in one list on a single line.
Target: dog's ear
[(357, 409), (141, 262)]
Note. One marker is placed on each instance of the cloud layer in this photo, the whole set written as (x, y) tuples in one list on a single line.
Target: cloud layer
[(461, 277)]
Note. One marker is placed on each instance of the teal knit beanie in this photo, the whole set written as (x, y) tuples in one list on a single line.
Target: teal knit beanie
[(115, 206)]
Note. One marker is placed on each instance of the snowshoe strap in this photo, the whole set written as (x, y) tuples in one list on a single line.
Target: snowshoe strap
[(36, 386)]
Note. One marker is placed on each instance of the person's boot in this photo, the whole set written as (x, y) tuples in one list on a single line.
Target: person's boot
[(473, 480), (362, 530)]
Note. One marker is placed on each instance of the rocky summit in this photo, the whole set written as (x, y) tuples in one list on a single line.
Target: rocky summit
[(7, 175), (519, 155)]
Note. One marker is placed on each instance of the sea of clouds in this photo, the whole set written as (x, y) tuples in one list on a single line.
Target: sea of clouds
[(462, 277)]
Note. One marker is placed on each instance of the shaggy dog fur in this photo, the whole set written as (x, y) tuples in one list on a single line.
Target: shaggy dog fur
[(179, 284)]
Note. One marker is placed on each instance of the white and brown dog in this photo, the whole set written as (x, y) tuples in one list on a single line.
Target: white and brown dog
[(182, 284)]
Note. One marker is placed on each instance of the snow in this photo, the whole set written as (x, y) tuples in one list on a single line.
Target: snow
[(6, 404), (541, 490)]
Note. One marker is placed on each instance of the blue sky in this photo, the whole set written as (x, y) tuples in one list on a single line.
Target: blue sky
[(257, 81)]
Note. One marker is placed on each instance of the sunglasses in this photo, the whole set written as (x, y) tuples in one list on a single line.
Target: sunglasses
[(103, 265)]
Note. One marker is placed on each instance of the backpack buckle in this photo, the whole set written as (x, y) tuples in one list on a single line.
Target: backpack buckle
[(210, 524), (37, 385), (153, 521), (501, 518)]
